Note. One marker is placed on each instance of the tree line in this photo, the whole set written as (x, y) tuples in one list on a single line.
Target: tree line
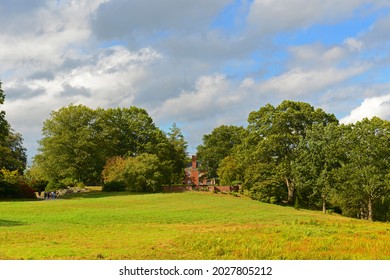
[(295, 154), (289, 154)]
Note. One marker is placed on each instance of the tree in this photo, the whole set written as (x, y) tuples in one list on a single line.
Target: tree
[(12, 153), (78, 141), (229, 171), (126, 131), (131, 131), (366, 173), (178, 154), (217, 145), (69, 149), (319, 157), (274, 134), (3, 123)]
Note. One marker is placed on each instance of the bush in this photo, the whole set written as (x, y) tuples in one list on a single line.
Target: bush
[(16, 190), (269, 191), (14, 185), (337, 209), (54, 186), (114, 186), (25, 191), (68, 182), (137, 174)]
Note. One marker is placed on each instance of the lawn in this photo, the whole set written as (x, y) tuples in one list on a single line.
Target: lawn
[(190, 225)]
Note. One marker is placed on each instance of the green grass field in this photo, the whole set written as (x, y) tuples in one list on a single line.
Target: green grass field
[(188, 225)]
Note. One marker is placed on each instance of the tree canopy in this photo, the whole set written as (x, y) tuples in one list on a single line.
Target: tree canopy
[(298, 155), (217, 145), (12, 153), (274, 135), (78, 141)]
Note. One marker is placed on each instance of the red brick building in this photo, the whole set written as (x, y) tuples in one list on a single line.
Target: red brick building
[(195, 176)]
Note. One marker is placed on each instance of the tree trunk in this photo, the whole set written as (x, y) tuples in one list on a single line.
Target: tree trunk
[(369, 217), (291, 190), (324, 204)]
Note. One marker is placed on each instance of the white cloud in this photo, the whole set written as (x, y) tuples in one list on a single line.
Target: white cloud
[(316, 55), (139, 19), (163, 56), (212, 95), (354, 44), (371, 107), (111, 79), (270, 16), (298, 82)]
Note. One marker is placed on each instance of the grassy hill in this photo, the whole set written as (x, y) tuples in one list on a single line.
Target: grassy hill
[(181, 226)]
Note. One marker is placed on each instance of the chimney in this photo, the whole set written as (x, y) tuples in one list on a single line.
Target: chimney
[(194, 162)]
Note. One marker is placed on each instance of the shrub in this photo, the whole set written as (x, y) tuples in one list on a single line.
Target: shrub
[(113, 186), (68, 182), (25, 191), (16, 190), (80, 185), (54, 186), (14, 185), (138, 174), (267, 190), (337, 209)]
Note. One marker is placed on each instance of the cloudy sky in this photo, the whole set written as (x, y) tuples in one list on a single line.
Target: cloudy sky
[(199, 64)]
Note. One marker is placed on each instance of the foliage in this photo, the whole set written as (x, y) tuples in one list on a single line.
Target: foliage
[(12, 153), (14, 185), (69, 149), (78, 141), (54, 186), (114, 186), (229, 171), (217, 145), (177, 157), (319, 157), (300, 155), (3, 122), (139, 174), (365, 176), (273, 137)]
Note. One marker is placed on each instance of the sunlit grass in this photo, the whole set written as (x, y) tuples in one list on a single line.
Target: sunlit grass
[(181, 226)]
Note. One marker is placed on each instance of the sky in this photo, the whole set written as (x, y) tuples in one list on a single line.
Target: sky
[(199, 64)]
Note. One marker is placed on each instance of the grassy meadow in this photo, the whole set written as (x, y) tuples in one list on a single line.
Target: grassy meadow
[(188, 225)]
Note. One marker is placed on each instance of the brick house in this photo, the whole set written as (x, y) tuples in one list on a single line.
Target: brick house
[(195, 176)]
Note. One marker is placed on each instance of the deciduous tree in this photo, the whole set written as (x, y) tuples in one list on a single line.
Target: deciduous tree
[(217, 145), (365, 176), (274, 134)]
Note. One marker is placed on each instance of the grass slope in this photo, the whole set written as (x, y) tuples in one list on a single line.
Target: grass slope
[(181, 226)]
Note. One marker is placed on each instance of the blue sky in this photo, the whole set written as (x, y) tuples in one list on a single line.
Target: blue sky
[(199, 64)]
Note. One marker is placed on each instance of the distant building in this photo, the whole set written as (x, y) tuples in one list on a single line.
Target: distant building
[(195, 176)]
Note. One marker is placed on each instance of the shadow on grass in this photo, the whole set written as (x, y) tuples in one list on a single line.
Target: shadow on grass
[(10, 199), (7, 223)]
